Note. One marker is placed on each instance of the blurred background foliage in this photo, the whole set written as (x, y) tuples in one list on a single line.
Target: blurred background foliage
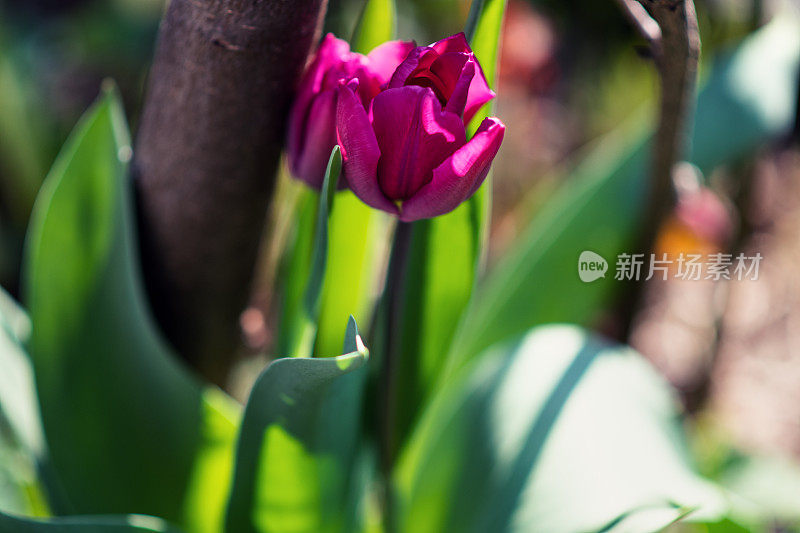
[(571, 72)]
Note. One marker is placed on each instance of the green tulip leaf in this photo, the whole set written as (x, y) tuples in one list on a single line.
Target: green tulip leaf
[(129, 429), (89, 524), (304, 323), (377, 24), (749, 99), (558, 431), (297, 444), (295, 264)]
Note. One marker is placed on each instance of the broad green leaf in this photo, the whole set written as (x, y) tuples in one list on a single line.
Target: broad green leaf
[(558, 431), (358, 233), (378, 24), (304, 324), (297, 444), (129, 429), (88, 524), (22, 446), (446, 255), (357, 247), (748, 100)]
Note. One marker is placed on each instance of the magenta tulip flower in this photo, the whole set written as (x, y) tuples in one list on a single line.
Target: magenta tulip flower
[(312, 119), (408, 154)]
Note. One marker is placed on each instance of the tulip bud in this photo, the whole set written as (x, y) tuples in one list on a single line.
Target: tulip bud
[(409, 154), (450, 69), (312, 119)]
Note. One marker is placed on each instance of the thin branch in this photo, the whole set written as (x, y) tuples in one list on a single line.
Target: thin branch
[(206, 157), (643, 22), (676, 60), (675, 48), (670, 26)]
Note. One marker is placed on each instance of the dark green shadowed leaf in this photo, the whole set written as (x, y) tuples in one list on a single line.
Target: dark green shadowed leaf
[(559, 432), (446, 256), (749, 99), (304, 324), (297, 444), (129, 430), (88, 524), (22, 446)]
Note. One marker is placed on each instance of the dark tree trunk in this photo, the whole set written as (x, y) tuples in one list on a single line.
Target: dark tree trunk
[(206, 157)]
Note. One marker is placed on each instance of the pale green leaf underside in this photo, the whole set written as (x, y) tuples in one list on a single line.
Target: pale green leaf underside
[(558, 432)]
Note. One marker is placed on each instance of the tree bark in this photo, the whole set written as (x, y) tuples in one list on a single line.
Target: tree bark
[(206, 156)]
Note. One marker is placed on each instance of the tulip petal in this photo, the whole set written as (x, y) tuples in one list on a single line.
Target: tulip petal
[(384, 59), (455, 180), (419, 57), (360, 152), (479, 94), (442, 75), (310, 161), (415, 136), (330, 53), (455, 43), (479, 91), (458, 100)]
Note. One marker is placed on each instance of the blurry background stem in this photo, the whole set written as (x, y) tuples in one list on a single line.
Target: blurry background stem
[(670, 27), (207, 151)]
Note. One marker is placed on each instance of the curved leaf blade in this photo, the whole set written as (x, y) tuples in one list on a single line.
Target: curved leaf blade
[(297, 444), (560, 432), (304, 325), (115, 403)]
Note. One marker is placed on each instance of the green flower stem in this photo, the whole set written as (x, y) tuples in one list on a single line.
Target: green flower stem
[(396, 279)]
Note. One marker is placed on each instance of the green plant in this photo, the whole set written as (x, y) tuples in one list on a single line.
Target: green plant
[(495, 421)]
